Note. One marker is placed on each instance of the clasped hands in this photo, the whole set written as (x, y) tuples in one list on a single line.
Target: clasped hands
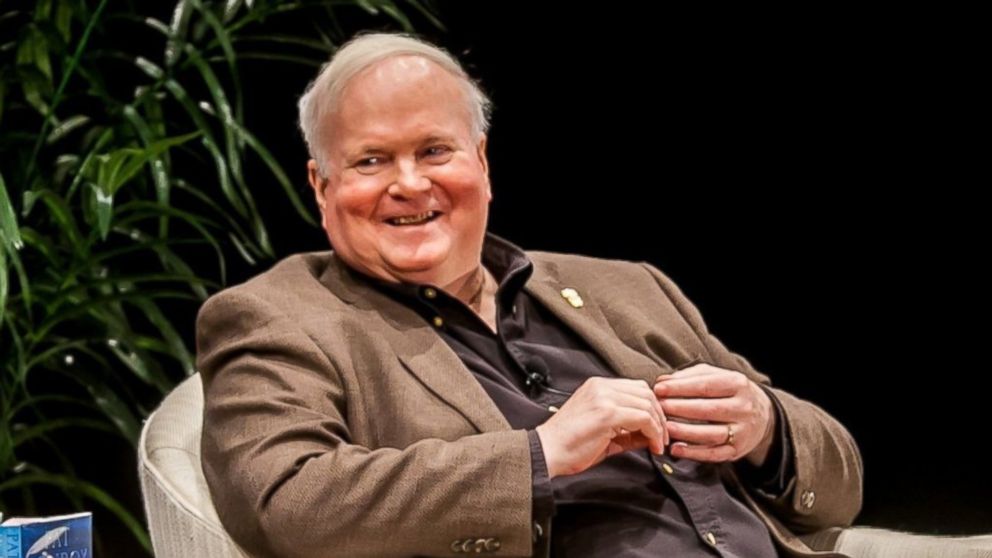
[(703, 412)]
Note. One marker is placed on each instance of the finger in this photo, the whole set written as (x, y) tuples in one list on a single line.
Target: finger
[(703, 385), (712, 410), (663, 419), (667, 438), (633, 387), (697, 370), (640, 388), (635, 420), (649, 406), (700, 434), (630, 441), (710, 454)]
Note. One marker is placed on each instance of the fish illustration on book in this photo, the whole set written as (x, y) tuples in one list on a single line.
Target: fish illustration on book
[(48, 539)]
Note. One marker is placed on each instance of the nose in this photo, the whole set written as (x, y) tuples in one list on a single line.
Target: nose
[(410, 180)]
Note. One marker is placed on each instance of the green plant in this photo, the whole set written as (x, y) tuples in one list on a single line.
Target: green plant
[(124, 151)]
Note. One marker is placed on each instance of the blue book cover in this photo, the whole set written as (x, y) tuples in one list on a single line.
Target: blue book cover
[(63, 536)]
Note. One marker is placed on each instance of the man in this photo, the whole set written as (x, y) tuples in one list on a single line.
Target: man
[(431, 389)]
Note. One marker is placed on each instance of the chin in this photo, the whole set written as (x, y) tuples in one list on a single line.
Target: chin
[(421, 264)]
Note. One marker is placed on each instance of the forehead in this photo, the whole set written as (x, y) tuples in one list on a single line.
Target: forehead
[(399, 99)]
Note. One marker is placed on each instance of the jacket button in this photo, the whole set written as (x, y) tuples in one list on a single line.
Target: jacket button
[(492, 545), (807, 499)]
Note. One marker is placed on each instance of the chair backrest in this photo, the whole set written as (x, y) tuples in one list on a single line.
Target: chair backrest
[(181, 517)]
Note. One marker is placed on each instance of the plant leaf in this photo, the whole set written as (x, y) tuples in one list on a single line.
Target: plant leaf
[(35, 88), (226, 114), (122, 164), (223, 37), (427, 13), (63, 20), (11, 237), (276, 169), (3, 283), (67, 125), (102, 205), (179, 27), (169, 334)]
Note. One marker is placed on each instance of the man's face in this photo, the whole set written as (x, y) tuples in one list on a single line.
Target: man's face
[(406, 197)]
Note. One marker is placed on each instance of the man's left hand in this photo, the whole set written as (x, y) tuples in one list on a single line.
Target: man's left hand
[(731, 416)]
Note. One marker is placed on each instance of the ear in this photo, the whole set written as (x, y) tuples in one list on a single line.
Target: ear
[(318, 183), (484, 162)]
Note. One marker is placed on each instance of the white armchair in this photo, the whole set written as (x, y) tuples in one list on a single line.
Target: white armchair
[(181, 517)]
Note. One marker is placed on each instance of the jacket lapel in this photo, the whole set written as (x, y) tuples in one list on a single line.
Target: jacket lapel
[(435, 364), (589, 321), (419, 348)]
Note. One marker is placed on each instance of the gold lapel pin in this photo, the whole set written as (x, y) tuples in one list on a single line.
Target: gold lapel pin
[(572, 296)]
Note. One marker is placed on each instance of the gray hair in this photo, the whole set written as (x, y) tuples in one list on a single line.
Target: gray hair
[(322, 94)]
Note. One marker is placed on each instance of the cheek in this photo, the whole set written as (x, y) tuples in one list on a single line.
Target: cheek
[(356, 200), (466, 187)]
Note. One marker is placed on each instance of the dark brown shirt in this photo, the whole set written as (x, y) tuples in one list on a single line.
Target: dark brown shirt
[(632, 504)]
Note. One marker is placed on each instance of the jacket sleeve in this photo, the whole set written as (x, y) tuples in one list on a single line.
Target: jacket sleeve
[(826, 488), (287, 479)]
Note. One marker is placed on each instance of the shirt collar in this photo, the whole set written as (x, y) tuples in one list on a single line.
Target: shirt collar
[(507, 262)]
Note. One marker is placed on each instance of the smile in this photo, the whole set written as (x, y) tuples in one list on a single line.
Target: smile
[(417, 219)]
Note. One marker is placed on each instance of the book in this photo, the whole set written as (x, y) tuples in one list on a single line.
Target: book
[(57, 536)]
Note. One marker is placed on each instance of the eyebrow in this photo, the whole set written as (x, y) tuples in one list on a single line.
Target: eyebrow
[(363, 151), (438, 138)]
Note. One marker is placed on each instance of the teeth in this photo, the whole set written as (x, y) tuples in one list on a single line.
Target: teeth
[(412, 219)]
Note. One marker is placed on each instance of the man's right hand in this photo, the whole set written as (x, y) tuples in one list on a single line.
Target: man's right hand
[(604, 417)]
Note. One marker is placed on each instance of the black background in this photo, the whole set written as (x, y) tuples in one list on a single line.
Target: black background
[(809, 178)]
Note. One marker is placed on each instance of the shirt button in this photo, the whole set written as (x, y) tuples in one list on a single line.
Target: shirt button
[(430, 292), (710, 538), (667, 468), (807, 499), (514, 309), (552, 408), (438, 322)]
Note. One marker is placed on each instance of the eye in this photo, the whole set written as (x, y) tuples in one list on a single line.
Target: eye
[(437, 153), (369, 165)]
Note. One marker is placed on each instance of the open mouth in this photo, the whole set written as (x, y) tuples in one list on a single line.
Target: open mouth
[(412, 220)]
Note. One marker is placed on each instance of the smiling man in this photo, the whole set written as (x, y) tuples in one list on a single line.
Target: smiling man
[(430, 389), (402, 180)]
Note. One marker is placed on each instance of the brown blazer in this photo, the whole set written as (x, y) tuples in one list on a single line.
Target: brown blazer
[(338, 423)]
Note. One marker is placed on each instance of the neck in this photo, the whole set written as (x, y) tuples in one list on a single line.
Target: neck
[(469, 287)]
